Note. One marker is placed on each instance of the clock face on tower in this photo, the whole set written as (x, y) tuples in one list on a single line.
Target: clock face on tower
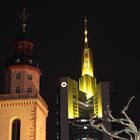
[(63, 84)]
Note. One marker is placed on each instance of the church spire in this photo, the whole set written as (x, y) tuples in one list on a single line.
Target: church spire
[(86, 32), (23, 16), (23, 46)]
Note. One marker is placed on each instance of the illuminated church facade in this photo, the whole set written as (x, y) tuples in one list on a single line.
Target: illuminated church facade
[(23, 111), (77, 100)]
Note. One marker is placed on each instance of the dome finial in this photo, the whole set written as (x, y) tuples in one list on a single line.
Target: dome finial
[(23, 16)]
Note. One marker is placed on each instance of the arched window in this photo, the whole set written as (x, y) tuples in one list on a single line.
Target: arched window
[(16, 130)]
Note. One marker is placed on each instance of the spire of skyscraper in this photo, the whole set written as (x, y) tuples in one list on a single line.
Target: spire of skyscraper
[(86, 32), (87, 82), (87, 60)]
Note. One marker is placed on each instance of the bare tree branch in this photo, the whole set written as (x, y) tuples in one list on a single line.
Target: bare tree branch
[(129, 126)]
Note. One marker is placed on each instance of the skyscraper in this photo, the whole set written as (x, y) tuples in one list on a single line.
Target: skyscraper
[(77, 100), (23, 111), (67, 106), (87, 82)]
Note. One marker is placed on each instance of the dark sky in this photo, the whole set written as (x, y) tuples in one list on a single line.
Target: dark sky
[(56, 28)]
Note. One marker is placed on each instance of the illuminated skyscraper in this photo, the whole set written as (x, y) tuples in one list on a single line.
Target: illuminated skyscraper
[(77, 100), (87, 83), (23, 111), (67, 106)]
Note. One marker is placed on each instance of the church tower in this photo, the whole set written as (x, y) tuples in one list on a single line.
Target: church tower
[(23, 111)]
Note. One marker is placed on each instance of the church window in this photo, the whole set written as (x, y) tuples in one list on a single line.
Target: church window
[(30, 61), (17, 89), (18, 76), (30, 77), (18, 60), (29, 90), (16, 130)]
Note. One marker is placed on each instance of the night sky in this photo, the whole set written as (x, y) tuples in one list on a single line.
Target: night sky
[(57, 31)]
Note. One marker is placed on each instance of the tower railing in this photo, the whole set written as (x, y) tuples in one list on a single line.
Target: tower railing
[(17, 96)]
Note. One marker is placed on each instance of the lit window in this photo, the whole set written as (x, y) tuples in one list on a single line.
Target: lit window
[(17, 89), (84, 139), (30, 61), (30, 77), (16, 130), (29, 90), (18, 76), (85, 127), (83, 120), (18, 60)]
